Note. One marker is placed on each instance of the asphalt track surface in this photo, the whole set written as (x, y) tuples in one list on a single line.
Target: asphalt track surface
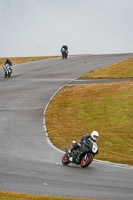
[(28, 163)]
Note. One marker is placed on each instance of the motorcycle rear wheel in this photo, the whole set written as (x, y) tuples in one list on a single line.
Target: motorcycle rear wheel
[(65, 160), (86, 160)]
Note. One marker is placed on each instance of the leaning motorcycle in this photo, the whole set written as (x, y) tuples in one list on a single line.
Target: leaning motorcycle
[(85, 154), (64, 53), (7, 70)]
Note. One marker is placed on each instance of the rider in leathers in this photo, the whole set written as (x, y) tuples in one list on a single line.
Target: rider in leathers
[(9, 62), (64, 47), (75, 145)]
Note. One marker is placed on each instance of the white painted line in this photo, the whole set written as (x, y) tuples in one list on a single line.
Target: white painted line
[(33, 172), (44, 124), (48, 140), (125, 166), (45, 184)]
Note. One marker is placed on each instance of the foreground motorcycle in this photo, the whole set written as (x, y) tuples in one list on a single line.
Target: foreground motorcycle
[(7, 70), (64, 53), (82, 156)]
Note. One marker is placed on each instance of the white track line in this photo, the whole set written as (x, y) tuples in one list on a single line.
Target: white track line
[(51, 144)]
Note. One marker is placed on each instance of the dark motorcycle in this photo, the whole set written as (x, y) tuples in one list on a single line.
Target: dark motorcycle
[(64, 53), (7, 70), (82, 156)]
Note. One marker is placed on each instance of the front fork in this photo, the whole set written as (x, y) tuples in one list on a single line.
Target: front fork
[(66, 149)]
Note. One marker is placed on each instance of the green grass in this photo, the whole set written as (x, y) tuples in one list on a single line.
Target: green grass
[(18, 196), (105, 107)]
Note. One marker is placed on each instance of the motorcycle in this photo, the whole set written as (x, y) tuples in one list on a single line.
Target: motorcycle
[(64, 53), (82, 156), (7, 70)]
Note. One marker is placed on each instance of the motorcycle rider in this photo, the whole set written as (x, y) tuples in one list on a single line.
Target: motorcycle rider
[(64, 47), (92, 137), (9, 62), (75, 145)]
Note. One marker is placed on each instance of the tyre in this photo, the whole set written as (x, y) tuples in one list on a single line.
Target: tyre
[(65, 159), (86, 160), (66, 55)]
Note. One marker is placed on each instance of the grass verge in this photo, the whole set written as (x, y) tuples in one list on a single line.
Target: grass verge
[(105, 107), (19, 60), (122, 69), (18, 196)]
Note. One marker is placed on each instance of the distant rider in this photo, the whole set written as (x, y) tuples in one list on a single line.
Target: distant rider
[(9, 62), (64, 47)]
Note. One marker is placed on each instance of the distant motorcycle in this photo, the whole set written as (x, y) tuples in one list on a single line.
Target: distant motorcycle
[(7, 70), (85, 154), (64, 53)]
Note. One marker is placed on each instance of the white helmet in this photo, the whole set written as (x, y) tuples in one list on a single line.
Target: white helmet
[(94, 135)]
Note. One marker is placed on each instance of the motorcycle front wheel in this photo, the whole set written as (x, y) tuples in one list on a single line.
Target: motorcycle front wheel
[(86, 160), (65, 159)]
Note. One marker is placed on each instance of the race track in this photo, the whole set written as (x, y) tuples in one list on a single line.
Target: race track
[(28, 163)]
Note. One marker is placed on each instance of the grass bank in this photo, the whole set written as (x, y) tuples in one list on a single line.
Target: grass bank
[(17, 196), (19, 60), (105, 107), (122, 69)]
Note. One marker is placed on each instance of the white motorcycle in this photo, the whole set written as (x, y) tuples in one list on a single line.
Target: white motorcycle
[(7, 70)]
